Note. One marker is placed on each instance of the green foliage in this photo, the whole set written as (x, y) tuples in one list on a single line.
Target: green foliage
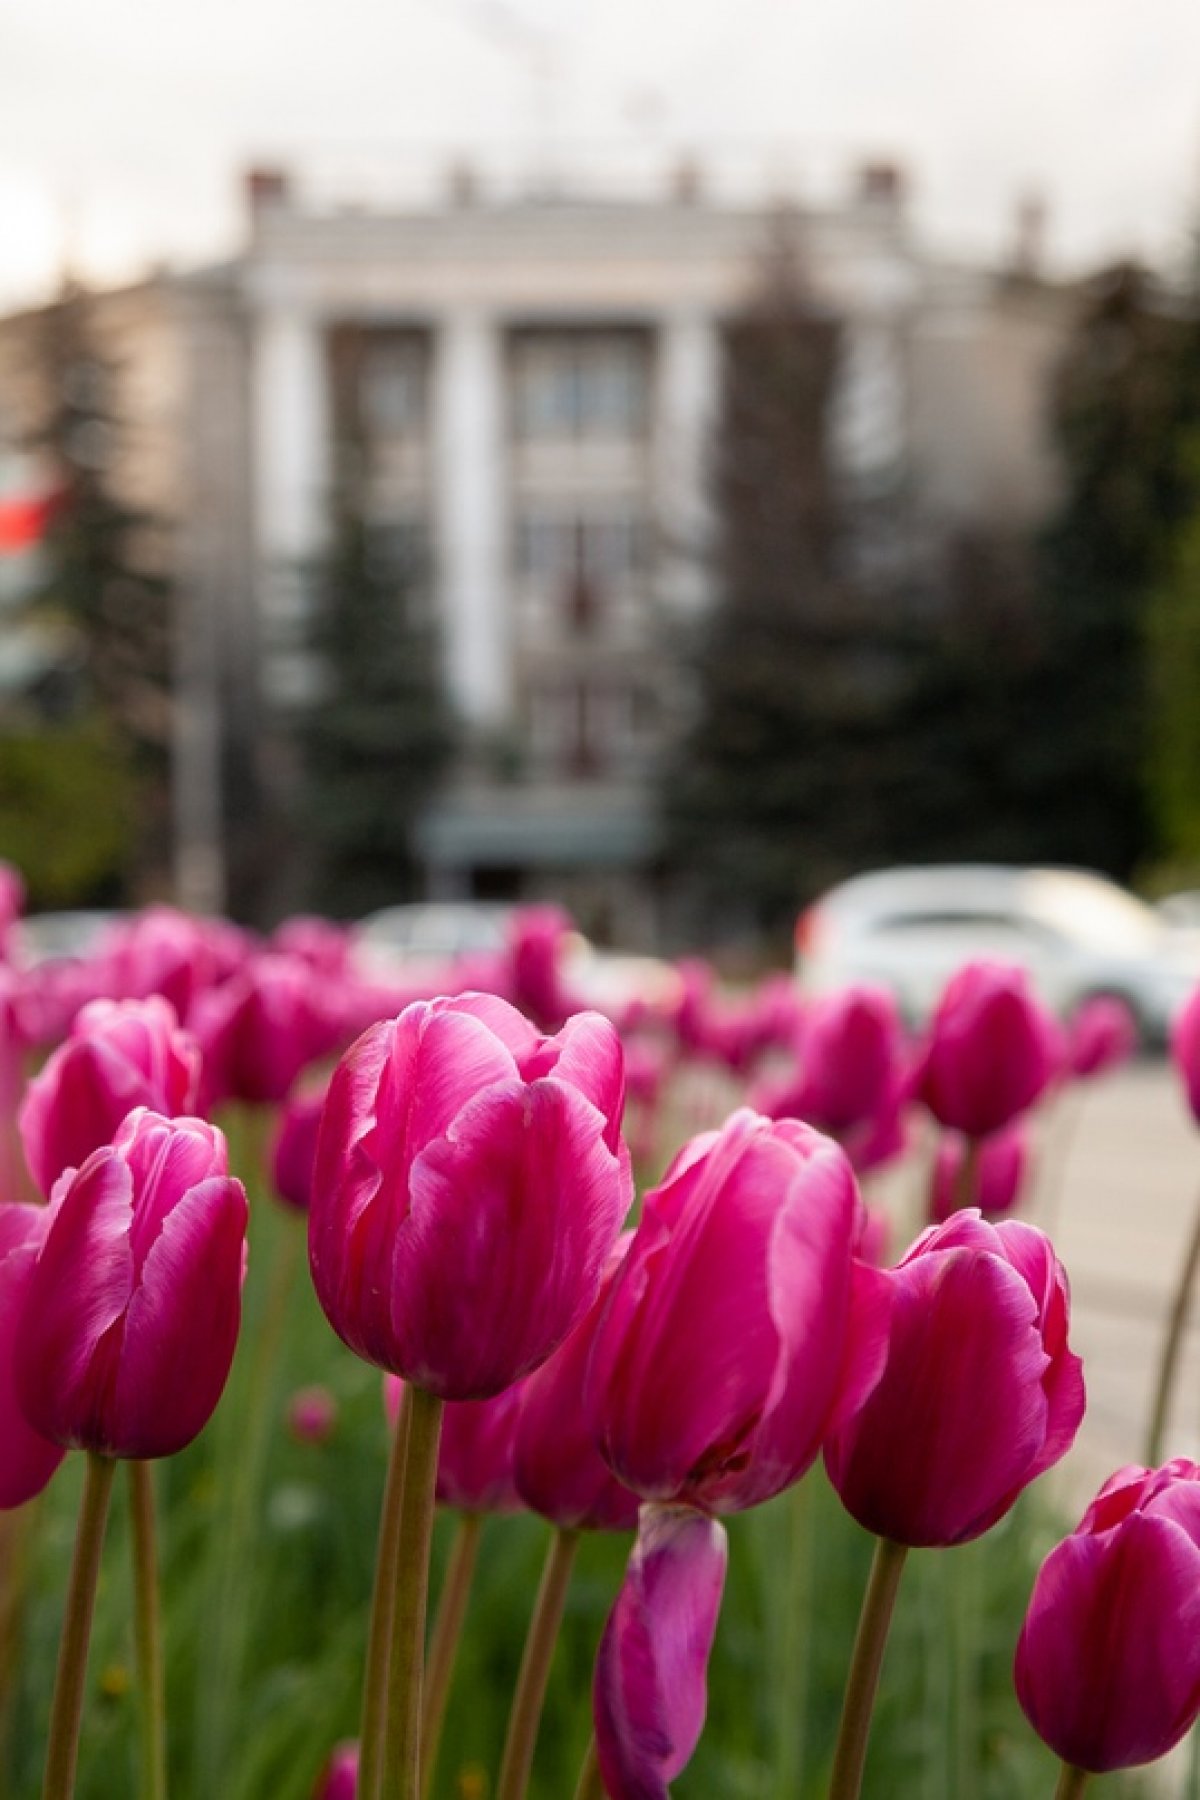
[(380, 735), (68, 811), (1173, 665)]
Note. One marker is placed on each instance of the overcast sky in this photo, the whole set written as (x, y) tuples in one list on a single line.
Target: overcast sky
[(123, 123)]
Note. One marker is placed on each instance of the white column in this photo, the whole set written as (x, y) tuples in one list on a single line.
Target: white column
[(687, 391), (292, 434), (470, 515)]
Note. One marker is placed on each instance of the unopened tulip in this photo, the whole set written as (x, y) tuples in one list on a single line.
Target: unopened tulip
[(999, 1166), (558, 1470), (537, 942), (312, 1415), (260, 1030), (1108, 1664), (470, 1183), (130, 1316), (27, 1459), (120, 1055), (294, 1151), (726, 1341), (1185, 1050), (1102, 1035), (978, 1392), (990, 1053), (166, 952), (850, 1059), (650, 1692), (475, 1455), (339, 1777)]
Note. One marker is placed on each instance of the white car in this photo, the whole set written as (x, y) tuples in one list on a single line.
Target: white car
[(1076, 933)]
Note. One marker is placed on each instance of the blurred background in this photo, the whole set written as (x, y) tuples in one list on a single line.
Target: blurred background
[(663, 459)]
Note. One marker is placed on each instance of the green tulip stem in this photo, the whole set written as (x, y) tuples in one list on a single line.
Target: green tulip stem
[(66, 1710), (865, 1663), (1168, 1367), (590, 1786), (542, 1636), (147, 1631), (383, 1600), (443, 1646), (402, 1738), (1071, 1783)]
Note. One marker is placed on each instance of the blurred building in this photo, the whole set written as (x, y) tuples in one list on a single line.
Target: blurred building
[(534, 381)]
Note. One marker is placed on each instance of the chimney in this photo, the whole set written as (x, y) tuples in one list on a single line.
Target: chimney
[(266, 190), (880, 186)]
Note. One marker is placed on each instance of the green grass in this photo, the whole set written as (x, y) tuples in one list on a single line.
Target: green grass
[(267, 1560)]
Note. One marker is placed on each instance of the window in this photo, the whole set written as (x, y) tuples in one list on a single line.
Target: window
[(392, 385), (556, 545), (573, 385)]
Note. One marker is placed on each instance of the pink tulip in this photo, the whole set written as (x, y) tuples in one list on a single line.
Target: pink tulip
[(990, 1053), (558, 1470), (650, 1692), (339, 1777), (470, 1183), (1102, 1035), (475, 1454), (162, 951), (130, 1315), (294, 1151), (726, 1342), (978, 1392), (850, 1059), (324, 946), (312, 1414), (1185, 1050), (260, 1030), (537, 940), (1001, 1171), (27, 1459), (12, 904), (120, 1055), (1108, 1664)]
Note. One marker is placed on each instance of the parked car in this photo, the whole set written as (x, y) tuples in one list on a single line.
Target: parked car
[(1077, 933), (422, 937)]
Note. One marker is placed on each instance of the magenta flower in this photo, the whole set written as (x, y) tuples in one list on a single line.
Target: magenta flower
[(1185, 1050), (261, 1029), (130, 1315), (339, 1778), (470, 1182), (27, 1459), (312, 1414), (1102, 1035), (978, 1392), (294, 1150), (169, 953), (120, 1055), (850, 1060), (475, 1454), (990, 1052), (1108, 1664), (558, 1470), (727, 1341), (1001, 1173), (650, 1692)]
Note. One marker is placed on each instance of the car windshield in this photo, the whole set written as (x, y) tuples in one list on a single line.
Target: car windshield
[(1093, 913)]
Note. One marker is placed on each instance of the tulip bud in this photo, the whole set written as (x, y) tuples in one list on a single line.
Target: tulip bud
[(27, 1459), (475, 1453), (726, 1341), (990, 1053), (850, 1059), (294, 1152), (470, 1183), (1108, 1663), (1185, 1050), (339, 1777), (130, 1316), (1102, 1035), (977, 1392), (120, 1055), (650, 1692), (260, 1030), (1001, 1165), (312, 1415), (165, 952), (558, 1470)]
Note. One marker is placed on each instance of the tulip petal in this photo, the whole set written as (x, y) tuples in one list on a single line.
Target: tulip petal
[(27, 1459), (587, 1054), (957, 1421), (76, 1294), (501, 1253), (650, 1693), (182, 1323)]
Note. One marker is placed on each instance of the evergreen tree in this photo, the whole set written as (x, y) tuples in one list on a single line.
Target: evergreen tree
[(380, 735)]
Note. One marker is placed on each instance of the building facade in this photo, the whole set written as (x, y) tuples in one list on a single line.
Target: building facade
[(535, 382)]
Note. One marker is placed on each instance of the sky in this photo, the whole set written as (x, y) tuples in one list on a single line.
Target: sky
[(124, 125)]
